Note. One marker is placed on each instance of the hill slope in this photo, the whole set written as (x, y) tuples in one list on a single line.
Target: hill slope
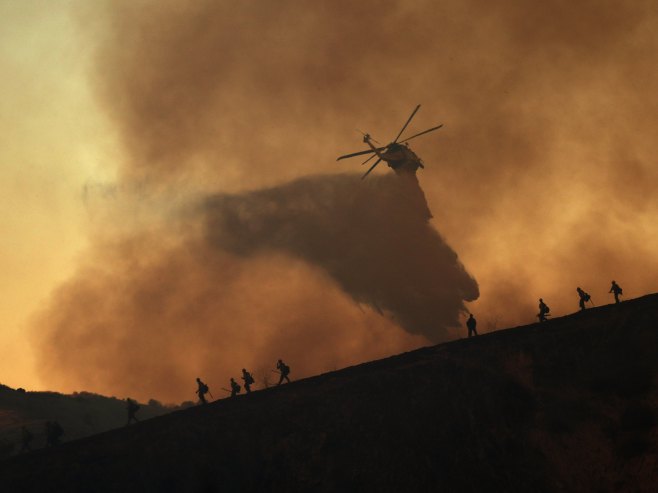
[(569, 405), (81, 414)]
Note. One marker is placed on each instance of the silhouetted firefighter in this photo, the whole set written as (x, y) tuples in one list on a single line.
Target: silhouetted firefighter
[(616, 290), (132, 407), (284, 370), (26, 439), (235, 388), (543, 310), (202, 390), (471, 323), (584, 298), (53, 433), (248, 380)]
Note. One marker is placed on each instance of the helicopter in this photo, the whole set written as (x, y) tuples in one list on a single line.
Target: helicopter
[(398, 155)]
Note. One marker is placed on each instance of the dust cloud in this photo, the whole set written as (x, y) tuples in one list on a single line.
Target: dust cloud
[(542, 178)]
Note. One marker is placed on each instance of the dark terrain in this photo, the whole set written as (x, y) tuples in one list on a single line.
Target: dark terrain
[(81, 414), (568, 405)]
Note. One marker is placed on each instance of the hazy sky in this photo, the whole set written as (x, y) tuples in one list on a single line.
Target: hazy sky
[(53, 143), (116, 117)]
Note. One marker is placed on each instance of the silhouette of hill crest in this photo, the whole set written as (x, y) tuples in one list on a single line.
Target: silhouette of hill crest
[(567, 405)]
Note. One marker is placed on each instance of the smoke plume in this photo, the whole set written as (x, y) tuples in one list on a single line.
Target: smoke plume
[(373, 239), (244, 279), (542, 179)]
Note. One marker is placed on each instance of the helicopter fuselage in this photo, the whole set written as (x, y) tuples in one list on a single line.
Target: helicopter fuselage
[(401, 159)]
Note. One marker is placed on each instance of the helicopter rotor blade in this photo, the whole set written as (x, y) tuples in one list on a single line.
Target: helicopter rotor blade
[(405, 125), (421, 133), (371, 168), (360, 153), (364, 162)]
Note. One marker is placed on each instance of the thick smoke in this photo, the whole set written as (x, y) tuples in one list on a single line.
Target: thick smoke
[(242, 280), (373, 239), (542, 178)]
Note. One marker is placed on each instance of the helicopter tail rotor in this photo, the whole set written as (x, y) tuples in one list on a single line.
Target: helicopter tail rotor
[(366, 135)]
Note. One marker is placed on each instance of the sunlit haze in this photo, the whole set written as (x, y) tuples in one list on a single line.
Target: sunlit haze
[(125, 124)]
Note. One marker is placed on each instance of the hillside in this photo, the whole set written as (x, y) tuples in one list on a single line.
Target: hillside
[(80, 415), (568, 405)]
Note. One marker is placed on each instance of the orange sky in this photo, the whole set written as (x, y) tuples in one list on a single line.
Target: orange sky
[(542, 179), (52, 144)]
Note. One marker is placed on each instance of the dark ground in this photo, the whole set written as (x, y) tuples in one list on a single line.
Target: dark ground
[(569, 405), (80, 415)]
